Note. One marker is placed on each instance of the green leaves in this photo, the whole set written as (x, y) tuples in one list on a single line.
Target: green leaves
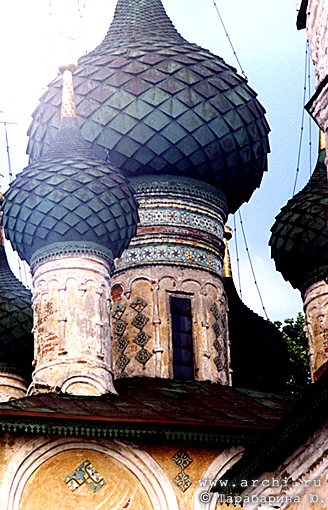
[(294, 335)]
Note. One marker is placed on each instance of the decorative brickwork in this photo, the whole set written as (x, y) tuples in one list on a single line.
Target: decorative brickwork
[(139, 322), (120, 342), (219, 327), (142, 323), (316, 313), (130, 337), (182, 460), (316, 25)]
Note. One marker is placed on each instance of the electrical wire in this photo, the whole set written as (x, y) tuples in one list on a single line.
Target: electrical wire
[(251, 264), (8, 154), (11, 178), (310, 120), (303, 115), (241, 221), (230, 42), (80, 9)]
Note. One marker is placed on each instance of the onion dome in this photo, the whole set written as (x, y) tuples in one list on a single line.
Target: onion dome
[(155, 103), (256, 345), (299, 240), (16, 321), (69, 201)]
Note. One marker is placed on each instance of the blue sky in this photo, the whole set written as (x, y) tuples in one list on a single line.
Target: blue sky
[(36, 36)]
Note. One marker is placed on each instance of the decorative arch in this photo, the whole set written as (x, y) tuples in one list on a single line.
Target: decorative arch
[(213, 473), (35, 452)]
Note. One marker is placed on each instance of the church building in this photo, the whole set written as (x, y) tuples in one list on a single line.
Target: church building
[(133, 376)]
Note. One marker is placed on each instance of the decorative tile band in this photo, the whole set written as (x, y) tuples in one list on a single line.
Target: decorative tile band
[(176, 254), (182, 216), (170, 187), (70, 249), (178, 227)]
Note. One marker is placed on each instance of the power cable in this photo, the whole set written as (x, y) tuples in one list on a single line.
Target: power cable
[(251, 264), (310, 120), (241, 221), (11, 178), (230, 42), (303, 115)]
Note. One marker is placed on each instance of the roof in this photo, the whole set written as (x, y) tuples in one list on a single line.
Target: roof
[(141, 19), (256, 347), (148, 407), (155, 104), (303, 418)]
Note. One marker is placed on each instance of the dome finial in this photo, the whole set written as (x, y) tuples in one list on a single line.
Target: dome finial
[(226, 269), (68, 101), (322, 141), (140, 19)]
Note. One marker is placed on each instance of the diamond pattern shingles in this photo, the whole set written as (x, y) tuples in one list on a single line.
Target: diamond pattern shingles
[(69, 189), (143, 70), (299, 240), (16, 321)]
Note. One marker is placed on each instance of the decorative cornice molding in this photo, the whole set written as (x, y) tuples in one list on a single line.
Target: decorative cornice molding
[(127, 431), (71, 249)]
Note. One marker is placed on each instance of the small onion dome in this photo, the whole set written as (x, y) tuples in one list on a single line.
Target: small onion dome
[(154, 103), (67, 198), (299, 240), (16, 322), (69, 201)]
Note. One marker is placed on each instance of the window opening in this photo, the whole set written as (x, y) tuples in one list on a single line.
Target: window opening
[(182, 343)]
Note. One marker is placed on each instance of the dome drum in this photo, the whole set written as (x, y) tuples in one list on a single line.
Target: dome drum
[(181, 224)]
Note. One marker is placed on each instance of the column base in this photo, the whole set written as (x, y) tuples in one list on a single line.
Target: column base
[(74, 377)]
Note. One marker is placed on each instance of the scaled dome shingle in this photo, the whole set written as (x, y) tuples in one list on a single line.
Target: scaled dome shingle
[(69, 196), (16, 322), (154, 103), (299, 240)]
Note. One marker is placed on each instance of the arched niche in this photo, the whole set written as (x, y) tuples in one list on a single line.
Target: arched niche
[(211, 476), (35, 475)]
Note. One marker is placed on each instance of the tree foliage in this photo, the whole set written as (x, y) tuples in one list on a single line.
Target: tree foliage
[(294, 335)]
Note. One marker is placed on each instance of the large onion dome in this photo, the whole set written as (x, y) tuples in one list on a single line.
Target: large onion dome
[(154, 103), (69, 201), (299, 240), (16, 321)]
